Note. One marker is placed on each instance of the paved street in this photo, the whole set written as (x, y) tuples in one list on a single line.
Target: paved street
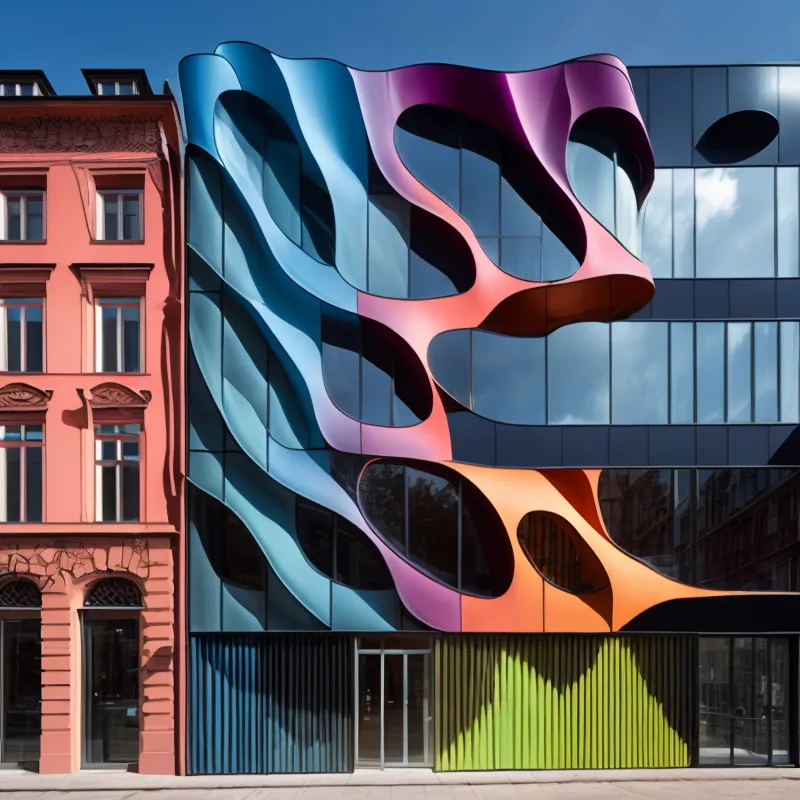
[(675, 790), (753, 784)]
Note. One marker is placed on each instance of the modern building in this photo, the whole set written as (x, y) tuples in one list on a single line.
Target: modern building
[(494, 386), (91, 415)]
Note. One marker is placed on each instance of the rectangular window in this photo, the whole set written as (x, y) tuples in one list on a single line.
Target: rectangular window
[(24, 89), (739, 373), (21, 334), (710, 372), (117, 87), (681, 358), (117, 472), (118, 334), (21, 473), (22, 216), (119, 216)]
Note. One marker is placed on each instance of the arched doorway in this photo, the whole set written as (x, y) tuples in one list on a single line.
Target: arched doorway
[(111, 673), (20, 672)]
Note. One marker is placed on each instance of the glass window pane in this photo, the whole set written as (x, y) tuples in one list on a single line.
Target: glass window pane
[(710, 374), (33, 484), (130, 493), (766, 371), (433, 524), (508, 378), (110, 211), (682, 372), (125, 88), (382, 495), (358, 562), (130, 451), (34, 349), (432, 163), (557, 261), (14, 218), (518, 218), (591, 175), (13, 483), (389, 232), (480, 193), (342, 378), (715, 701), (34, 218), (639, 379), (130, 217), (108, 450), (683, 222), (578, 374), (26, 89), (108, 496), (735, 222), (521, 257), (14, 339), (788, 222), (34, 432), (376, 394), (130, 339), (627, 211), (107, 87), (790, 371), (110, 362), (739, 361), (449, 360), (314, 526), (657, 226)]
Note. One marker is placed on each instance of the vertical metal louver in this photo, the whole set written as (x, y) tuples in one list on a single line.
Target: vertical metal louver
[(265, 704)]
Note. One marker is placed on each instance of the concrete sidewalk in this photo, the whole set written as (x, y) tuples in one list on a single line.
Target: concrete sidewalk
[(406, 783)]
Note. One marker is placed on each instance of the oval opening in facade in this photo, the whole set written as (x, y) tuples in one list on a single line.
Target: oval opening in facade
[(738, 136)]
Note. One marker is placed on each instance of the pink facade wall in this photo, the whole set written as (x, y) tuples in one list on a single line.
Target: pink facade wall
[(75, 145)]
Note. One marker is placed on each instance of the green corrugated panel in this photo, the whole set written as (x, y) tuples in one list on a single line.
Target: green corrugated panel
[(562, 702)]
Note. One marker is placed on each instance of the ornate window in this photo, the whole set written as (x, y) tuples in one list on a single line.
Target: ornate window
[(16, 593), (117, 472), (114, 593)]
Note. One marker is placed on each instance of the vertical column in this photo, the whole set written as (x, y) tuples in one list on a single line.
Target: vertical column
[(157, 704), (60, 713)]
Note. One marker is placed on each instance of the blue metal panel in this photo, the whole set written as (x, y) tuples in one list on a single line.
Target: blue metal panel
[(266, 704)]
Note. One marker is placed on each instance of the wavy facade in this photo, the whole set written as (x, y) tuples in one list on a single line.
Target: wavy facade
[(348, 232)]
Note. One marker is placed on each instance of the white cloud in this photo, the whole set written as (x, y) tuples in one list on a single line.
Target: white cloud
[(717, 194)]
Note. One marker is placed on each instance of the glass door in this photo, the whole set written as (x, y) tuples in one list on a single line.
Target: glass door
[(111, 691), (745, 701), (20, 690), (393, 708)]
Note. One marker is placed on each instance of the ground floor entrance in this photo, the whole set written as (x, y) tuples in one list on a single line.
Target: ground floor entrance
[(393, 705), (745, 691), (331, 702), (111, 691), (20, 691)]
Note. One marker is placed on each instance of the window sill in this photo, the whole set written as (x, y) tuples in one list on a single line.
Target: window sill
[(117, 241), (23, 241), (113, 374)]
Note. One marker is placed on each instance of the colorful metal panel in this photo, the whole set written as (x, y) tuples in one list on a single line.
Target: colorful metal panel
[(298, 197), (261, 703), (566, 702)]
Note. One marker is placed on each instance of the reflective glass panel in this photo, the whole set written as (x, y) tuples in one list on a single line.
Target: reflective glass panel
[(735, 210), (388, 236), (683, 222), (657, 226), (765, 371), (508, 378), (790, 371), (788, 222), (639, 372), (681, 358), (739, 362), (715, 701), (578, 374), (710, 372), (480, 193)]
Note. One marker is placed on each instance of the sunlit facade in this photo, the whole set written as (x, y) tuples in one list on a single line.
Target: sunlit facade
[(493, 388)]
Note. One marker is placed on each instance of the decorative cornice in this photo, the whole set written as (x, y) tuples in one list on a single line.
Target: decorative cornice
[(115, 395), (89, 134), (22, 397)]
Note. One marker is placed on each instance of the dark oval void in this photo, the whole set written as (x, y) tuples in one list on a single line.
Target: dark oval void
[(738, 136), (559, 554), (439, 522)]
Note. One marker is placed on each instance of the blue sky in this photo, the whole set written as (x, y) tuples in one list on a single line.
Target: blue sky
[(61, 36)]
